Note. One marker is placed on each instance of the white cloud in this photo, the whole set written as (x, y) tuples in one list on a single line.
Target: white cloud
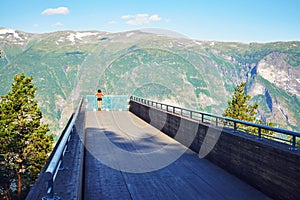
[(154, 18), (140, 19), (58, 24), (56, 11)]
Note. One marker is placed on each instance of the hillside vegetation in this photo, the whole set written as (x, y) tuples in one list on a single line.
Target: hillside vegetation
[(194, 74)]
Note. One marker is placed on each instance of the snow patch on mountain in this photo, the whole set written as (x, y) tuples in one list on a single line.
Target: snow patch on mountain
[(79, 36), (6, 32)]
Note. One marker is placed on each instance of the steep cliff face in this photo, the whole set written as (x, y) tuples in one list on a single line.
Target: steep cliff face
[(276, 86), (276, 70)]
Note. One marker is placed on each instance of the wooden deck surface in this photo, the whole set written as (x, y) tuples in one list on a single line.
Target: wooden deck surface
[(127, 158)]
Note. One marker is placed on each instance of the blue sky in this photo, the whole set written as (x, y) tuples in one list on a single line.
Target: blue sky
[(221, 20)]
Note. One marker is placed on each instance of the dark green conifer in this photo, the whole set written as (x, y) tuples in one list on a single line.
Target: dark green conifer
[(239, 107), (24, 142)]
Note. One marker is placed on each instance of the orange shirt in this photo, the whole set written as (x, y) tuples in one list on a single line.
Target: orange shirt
[(99, 95)]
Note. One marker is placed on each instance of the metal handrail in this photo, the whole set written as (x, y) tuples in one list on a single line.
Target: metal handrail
[(56, 162), (202, 116)]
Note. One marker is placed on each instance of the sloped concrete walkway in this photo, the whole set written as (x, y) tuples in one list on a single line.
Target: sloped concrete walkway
[(126, 158)]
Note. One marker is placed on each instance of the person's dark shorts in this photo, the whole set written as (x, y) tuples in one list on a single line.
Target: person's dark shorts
[(99, 99)]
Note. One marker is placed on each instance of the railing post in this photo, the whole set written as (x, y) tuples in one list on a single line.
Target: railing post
[(67, 144), (294, 141), (234, 126), (61, 165), (259, 132), (173, 109), (202, 118), (217, 124), (50, 188), (191, 114)]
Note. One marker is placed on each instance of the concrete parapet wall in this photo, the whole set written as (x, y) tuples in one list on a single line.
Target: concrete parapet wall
[(268, 166)]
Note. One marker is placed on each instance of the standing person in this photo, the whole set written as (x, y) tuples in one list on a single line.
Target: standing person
[(99, 95)]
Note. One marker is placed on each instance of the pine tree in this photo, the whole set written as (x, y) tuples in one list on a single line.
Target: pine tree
[(239, 107), (24, 142)]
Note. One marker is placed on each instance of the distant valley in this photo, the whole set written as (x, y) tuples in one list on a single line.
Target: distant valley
[(194, 74)]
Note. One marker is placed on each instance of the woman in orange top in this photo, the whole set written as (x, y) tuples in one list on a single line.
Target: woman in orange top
[(99, 95)]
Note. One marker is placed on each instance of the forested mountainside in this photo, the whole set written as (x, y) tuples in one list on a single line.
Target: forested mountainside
[(194, 74)]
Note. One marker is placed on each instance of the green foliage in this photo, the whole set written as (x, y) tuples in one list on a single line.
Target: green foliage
[(152, 90), (293, 60), (238, 107), (24, 142), (266, 133), (137, 69)]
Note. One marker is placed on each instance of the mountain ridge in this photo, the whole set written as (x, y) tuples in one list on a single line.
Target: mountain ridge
[(153, 31)]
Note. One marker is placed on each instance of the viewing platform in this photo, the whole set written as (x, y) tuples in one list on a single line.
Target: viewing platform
[(126, 158), (136, 150)]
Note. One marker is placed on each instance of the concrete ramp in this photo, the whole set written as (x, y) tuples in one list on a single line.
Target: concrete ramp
[(126, 158)]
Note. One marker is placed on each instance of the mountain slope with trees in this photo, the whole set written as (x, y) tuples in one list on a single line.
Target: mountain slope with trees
[(190, 73)]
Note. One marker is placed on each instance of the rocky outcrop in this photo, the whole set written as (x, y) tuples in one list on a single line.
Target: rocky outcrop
[(276, 70)]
